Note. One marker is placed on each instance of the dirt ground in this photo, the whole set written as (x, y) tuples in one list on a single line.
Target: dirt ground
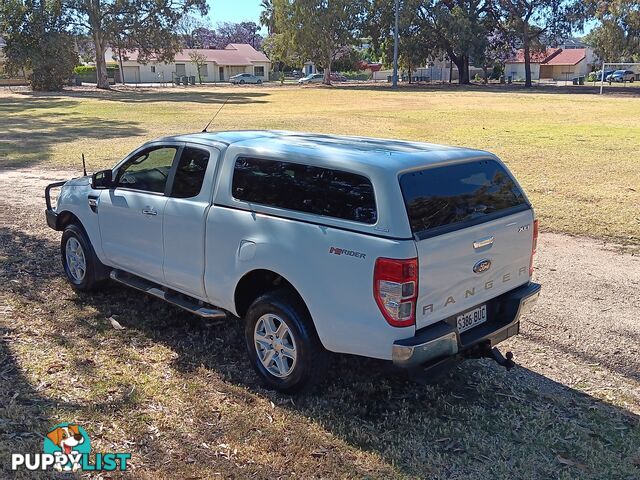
[(578, 357)]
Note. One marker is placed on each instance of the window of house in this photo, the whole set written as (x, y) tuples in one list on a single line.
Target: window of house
[(258, 71), (153, 69), (148, 170), (305, 188), (189, 176), (203, 70), (181, 71)]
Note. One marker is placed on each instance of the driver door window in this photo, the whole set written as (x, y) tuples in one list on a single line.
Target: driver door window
[(148, 171)]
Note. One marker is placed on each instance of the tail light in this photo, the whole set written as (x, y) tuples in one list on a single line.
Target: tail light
[(534, 245), (395, 288)]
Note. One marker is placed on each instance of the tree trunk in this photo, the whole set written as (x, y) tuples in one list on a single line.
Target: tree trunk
[(101, 64), (461, 65), (121, 68), (486, 74), (527, 59), (327, 73)]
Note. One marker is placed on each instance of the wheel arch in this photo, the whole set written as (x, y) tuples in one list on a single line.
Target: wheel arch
[(257, 282), (65, 218)]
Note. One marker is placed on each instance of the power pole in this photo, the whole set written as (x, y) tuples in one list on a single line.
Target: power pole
[(395, 49)]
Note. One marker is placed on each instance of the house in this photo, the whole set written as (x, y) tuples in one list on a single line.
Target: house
[(218, 66), (552, 64)]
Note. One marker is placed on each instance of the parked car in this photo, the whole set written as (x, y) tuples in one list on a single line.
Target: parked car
[(622, 76), (337, 77), (408, 252), (243, 78), (312, 78), (597, 75)]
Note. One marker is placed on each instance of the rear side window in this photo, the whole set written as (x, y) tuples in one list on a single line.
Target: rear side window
[(305, 188), (190, 173), (444, 198)]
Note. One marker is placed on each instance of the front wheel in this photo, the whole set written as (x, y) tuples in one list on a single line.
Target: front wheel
[(282, 343), (259, 82), (81, 265), (241, 82)]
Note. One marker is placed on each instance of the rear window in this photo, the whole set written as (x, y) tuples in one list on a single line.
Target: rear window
[(445, 198), (305, 188)]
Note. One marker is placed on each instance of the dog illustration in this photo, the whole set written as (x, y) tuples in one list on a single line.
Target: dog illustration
[(66, 438)]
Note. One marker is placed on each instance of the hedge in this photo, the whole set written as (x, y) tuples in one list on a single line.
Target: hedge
[(91, 70)]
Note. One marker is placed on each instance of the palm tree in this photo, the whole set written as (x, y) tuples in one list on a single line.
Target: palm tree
[(267, 17)]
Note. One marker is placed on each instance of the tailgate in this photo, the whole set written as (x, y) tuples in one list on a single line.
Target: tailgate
[(473, 228), (448, 283)]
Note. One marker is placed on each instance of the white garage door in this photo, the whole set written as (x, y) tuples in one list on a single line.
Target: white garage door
[(132, 74)]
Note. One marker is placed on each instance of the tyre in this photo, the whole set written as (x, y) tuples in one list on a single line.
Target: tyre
[(282, 343), (259, 82), (81, 265), (241, 82)]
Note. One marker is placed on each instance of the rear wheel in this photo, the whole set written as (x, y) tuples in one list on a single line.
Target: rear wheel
[(241, 82), (81, 265), (282, 343), (259, 82)]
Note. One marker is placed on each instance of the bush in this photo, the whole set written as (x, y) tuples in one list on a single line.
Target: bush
[(91, 70), (356, 76)]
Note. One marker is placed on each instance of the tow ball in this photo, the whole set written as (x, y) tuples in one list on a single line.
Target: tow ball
[(500, 359)]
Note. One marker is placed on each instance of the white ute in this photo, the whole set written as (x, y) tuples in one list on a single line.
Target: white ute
[(409, 252)]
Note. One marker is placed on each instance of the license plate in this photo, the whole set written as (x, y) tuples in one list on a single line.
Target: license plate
[(472, 318)]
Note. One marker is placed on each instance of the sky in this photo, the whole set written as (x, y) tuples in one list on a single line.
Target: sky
[(234, 11), (241, 10)]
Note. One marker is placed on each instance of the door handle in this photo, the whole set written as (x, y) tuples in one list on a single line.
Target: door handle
[(484, 242), (149, 211)]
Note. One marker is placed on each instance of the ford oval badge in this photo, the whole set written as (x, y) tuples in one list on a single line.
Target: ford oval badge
[(482, 266)]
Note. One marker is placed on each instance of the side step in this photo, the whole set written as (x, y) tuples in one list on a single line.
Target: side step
[(177, 299)]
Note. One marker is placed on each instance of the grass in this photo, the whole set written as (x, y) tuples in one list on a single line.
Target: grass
[(179, 395), (577, 156)]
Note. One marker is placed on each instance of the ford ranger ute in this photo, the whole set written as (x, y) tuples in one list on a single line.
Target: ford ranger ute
[(408, 252)]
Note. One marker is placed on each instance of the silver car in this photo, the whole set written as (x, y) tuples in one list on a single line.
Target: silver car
[(312, 78), (622, 76), (243, 78)]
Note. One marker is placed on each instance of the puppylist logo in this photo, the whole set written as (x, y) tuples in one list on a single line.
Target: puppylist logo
[(66, 448)]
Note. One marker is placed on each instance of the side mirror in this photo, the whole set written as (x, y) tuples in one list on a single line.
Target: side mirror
[(102, 180)]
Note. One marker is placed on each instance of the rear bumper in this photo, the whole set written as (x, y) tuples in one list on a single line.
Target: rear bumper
[(440, 340)]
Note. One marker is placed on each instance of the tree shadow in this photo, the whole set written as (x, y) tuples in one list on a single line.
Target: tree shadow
[(32, 126), (476, 422), (155, 95)]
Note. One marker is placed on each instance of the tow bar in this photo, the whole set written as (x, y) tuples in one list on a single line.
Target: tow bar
[(507, 362)]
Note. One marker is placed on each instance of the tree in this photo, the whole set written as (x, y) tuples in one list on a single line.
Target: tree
[(318, 30), (37, 41), (416, 43), (617, 37), (223, 35), (460, 27), (498, 49), (149, 26), (267, 16), (188, 27), (532, 20), (199, 60)]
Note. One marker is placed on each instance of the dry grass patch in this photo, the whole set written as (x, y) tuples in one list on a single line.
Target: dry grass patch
[(576, 155), (179, 395)]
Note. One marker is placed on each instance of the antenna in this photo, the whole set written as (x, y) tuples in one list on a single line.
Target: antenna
[(214, 117), (84, 166)]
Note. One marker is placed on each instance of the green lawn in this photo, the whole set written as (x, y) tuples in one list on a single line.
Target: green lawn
[(577, 156)]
